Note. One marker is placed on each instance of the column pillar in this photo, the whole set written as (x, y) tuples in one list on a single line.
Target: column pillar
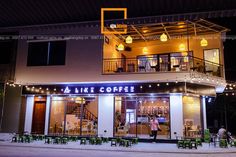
[(47, 116), (176, 115), (29, 113), (105, 115), (204, 118)]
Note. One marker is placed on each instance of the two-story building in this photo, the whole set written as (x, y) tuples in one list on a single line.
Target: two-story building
[(77, 81)]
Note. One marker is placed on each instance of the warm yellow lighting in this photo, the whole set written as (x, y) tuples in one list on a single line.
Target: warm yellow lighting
[(145, 31), (129, 40), (184, 53), (120, 47), (160, 60), (204, 42), (163, 37), (79, 100), (182, 47), (185, 59), (145, 50)]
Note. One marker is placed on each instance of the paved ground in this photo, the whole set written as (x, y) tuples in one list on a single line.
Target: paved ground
[(8, 151), (39, 149), (74, 149)]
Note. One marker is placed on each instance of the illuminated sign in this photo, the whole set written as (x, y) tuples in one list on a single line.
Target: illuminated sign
[(98, 89)]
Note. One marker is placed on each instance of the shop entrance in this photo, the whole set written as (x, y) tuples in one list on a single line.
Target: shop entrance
[(38, 122), (133, 114)]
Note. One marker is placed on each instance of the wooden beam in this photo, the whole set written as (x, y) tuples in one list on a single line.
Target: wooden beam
[(138, 33), (165, 30)]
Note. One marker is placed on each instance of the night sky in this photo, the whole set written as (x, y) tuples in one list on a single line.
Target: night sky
[(229, 46)]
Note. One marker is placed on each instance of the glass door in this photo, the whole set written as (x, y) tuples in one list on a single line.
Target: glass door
[(149, 107), (164, 62), (125, 117)]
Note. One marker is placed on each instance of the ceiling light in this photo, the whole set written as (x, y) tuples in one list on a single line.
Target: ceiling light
[(120, 47), (145, 50), (163, 37), (204, 42), (182, 47), (129, 40)]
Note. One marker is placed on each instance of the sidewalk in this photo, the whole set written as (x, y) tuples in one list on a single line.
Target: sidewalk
[(140, 147)]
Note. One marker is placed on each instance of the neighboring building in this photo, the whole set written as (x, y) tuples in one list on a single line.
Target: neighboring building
[(8, 49), (96, 86)]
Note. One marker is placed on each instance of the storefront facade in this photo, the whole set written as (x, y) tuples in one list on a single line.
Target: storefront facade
[(116, 110), (92, 87)]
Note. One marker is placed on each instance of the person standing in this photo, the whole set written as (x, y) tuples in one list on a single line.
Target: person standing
[(154, 124)]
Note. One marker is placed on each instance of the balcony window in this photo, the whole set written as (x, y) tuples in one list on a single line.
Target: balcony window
[(46, 53)]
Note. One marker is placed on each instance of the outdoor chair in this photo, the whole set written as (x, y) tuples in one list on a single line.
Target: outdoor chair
[(142, 67), (135, 141), (22, 139), (28, 139), (199, 141), (122, 142), (15, 139), (193, 144), (223, 143), (113, 142), (187, 143), (48, 140), (180, 144), (57, 140), (83, 141), (233, 143), (105, 139), (154, 67), (98, 140), (128, 143), (64, 140), (92, 140)]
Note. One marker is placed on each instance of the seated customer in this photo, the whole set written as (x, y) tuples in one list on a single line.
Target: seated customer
[(222, 133)]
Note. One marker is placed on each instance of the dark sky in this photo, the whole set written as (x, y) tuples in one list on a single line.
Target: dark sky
[(229, 46)]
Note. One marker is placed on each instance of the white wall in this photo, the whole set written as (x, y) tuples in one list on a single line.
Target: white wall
[(48, 102), (176, 115), (203, 99), (83, 63), (105, 115), (29, 113)]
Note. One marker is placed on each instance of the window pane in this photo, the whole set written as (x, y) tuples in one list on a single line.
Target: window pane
[(57, 53), (6, 52), (37, 54), (192, 117), (57, 116)]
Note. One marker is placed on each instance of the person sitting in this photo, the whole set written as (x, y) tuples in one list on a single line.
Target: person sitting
[(222, 133)]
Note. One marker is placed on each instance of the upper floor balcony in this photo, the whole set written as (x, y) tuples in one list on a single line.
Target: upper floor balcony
[(172, 62), (172, 47)]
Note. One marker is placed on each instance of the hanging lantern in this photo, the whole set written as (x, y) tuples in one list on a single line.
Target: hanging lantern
[(163, 37), (129, 40), (145, 50), (182, 47), (204, 42), (120, 47)]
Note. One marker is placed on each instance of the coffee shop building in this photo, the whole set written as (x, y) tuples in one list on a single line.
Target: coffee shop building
[(86, 84)]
